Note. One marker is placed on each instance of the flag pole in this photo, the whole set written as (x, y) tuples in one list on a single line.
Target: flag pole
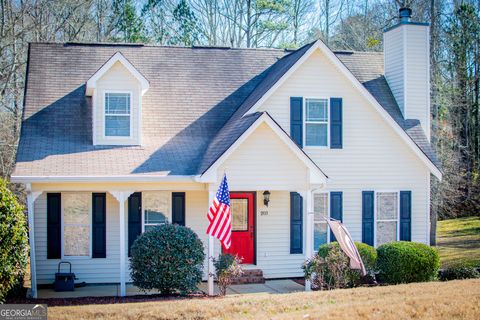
[(210, 265), (211, 243)]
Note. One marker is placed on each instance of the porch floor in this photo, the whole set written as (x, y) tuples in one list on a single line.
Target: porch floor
[(270, 286)]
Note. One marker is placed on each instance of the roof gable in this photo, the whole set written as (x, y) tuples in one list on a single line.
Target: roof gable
[(117, 57), (416, 141), (210, 172)]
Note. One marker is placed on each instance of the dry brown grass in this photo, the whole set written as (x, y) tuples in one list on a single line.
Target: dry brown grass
[(434, 300)]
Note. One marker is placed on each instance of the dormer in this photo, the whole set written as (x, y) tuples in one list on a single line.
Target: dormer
[(117, 89)]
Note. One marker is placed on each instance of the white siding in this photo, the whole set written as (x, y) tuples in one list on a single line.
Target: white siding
[(117, 78), (263, 161), (394, 64), (417, 69), (273, 238), (407, 70), (86, 269), (373, 156)]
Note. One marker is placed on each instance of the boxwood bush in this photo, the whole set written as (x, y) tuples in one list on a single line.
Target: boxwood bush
[(405, 262), (168, 258), (13, 241)]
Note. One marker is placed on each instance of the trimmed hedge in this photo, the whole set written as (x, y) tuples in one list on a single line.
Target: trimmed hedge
[(14, 241), (168, 258), (459, 272), (405, 262)]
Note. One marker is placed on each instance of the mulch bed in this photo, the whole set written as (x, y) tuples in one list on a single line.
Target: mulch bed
[(105, 300)]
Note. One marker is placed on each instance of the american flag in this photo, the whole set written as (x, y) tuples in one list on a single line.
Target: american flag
[(219, 215)]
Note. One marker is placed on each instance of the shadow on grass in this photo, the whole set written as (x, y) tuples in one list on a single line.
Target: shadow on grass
[(472, 231), (461, 244), (78, 301)]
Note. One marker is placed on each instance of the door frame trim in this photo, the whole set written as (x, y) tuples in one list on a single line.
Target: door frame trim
[(254, 194)]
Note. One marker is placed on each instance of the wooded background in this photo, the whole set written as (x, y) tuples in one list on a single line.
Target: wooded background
[(342, 24)]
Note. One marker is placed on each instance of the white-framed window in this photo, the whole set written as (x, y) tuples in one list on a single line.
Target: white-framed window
[(316, 124), (387, 208), (117, 107), (76, 224), (156, 208), (321, 234)]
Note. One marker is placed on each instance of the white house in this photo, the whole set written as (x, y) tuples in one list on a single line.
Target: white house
[(118, 138)]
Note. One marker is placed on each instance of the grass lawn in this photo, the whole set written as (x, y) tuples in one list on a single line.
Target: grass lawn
[(433, 300), (458, 241)]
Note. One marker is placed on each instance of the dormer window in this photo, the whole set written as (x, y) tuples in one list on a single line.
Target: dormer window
[(117, 91), (118, 114)]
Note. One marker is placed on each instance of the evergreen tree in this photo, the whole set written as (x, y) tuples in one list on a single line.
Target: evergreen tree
[(129, 25), (185, 24)]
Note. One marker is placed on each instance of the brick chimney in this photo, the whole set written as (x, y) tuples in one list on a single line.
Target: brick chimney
[(407, 67)]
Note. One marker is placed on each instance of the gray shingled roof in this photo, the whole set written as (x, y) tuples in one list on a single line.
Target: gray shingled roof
[(367, 67), (201, 91)]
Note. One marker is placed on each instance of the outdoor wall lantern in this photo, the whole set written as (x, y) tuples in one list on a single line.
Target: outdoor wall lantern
[(266, 197)]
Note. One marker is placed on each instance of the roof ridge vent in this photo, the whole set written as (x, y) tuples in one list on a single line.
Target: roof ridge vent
[(104, 44), (212, 47)]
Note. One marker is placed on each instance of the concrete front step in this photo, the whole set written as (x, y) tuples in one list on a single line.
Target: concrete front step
[(250, 276)]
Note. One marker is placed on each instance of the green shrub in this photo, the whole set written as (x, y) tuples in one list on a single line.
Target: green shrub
[(459, 272), (227, 269), (331, 267), (168, 258), (405, 262), (369, 258), (329, 272), (13, 240)]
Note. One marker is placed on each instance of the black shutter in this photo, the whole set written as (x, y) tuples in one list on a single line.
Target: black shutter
[(178, 208), (336, 209), (54, 225), (296, 120), (367, 217), (296, 223), (134, 218), (406, 215), (99, 225), (336, 135)]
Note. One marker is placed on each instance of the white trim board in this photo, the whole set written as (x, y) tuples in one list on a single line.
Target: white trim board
[(117, 57), (316, 176), (125, 178), (363, 91)]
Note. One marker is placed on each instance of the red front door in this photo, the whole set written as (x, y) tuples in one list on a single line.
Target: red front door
[(243, 228)]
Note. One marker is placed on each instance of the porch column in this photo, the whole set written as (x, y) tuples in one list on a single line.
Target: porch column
[(211, 243), (121, 197), (308, 205), (31, 197)]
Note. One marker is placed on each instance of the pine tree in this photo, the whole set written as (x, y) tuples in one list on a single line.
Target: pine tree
[(129, 25), (185, 22)]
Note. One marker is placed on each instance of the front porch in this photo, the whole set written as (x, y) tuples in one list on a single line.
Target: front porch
[(113, 290), (271, 233)]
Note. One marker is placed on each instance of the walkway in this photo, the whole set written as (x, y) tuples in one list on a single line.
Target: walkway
[(270, 286)]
